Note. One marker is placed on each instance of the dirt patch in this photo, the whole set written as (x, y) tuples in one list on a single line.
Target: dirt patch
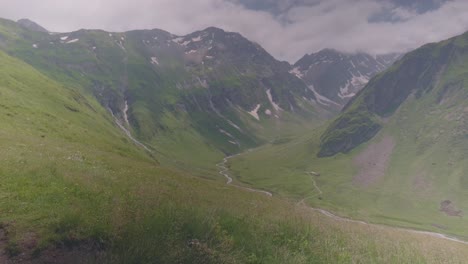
[(76, 255), (373, 162), (450, 209), (3, 246), (25, 252)]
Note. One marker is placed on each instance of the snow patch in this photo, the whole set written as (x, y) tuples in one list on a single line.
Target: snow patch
[(320, 98), (121, 46), (275, 106), (344, 92), (226, 133), (178, 40), (380, 64), (234, 125), (34, 46), (185, 43), (197, 39), (154, 61), (233, 141), (297, 72), (64, 38), (268, 112), (357, 81), (72, 41), (191, 52), (110, 35), (344, 96), (203, 83), (254, 112), (209, 57)]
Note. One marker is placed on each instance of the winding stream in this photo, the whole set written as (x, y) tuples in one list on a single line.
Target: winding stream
[(224, 171)]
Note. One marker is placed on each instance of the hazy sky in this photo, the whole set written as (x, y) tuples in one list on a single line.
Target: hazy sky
[(286, 28)]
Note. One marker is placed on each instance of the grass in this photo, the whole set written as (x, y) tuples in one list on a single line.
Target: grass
[(69, 176), (395, 200), (426, 167)]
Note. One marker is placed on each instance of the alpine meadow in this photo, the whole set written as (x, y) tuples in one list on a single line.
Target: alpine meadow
[(146, 146)]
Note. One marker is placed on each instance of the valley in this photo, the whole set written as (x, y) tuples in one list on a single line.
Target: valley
[(148, 147), (409, 173)]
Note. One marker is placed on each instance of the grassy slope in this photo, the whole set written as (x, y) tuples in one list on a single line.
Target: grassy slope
[(427, 165), (54, 143), (171, 144), (69, 175), (184, 140), (399, 198)]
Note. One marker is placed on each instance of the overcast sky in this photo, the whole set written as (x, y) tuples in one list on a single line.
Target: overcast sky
[(286, 28)]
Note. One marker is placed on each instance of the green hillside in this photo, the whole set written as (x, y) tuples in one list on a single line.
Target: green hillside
[(76, 188), (171, 92), (396, 155)]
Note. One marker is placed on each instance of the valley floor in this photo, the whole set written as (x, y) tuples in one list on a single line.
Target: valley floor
[(348, 185), (224, 171)]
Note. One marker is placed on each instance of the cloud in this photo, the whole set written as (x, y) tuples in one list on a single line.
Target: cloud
[(287, 30)]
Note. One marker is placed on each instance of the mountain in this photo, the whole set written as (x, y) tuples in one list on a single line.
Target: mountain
[(211, 87), (31, 25), (396, 155), (78, 187), (336, 77), (407, 134), (433, 72)]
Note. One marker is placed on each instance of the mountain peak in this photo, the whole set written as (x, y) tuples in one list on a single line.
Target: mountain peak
[(214, 29), (338, 76), (31, 25), (329, 51), (430, 77)]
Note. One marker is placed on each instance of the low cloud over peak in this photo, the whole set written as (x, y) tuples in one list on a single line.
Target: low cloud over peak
[(286, 28)]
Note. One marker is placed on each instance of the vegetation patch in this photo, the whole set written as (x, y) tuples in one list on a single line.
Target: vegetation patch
[(351, 129)]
